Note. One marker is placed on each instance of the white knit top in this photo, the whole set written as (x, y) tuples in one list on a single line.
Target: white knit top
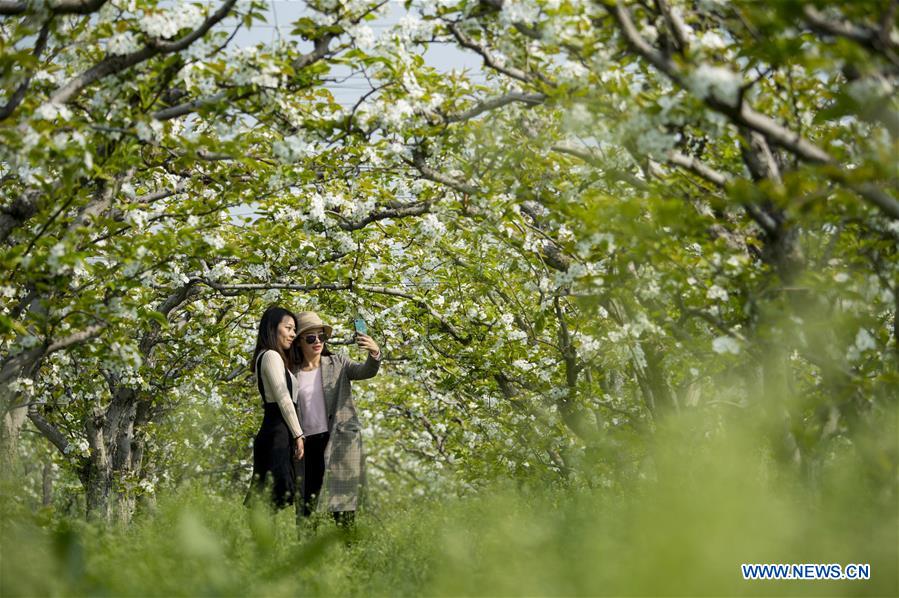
[(272, 369)]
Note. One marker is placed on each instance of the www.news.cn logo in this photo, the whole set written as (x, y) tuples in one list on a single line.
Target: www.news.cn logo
[(805, 571)]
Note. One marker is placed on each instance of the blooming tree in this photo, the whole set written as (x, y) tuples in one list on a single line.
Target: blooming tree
[(645, 208)]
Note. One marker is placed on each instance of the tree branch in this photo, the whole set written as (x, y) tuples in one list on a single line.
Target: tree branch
[(188, 107), (400, 211), (60, 7), (447, 326), (236, 289), (553, 254), (531, 99), (676, 25), (744, 116), (880, 198), (76, 338), (150, 338), (19, 94), (50, 432), (740, 114), (758, 157), (698, 168), (594, 160), (868, 37), (321, 49), (163, 194), (489, 59), (101, 201), (106, 67), (116, 64), (21, 209), (167, 47), (418, 160)]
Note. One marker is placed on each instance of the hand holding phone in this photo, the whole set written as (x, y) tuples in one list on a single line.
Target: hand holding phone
[(363, 340), (359, 326)]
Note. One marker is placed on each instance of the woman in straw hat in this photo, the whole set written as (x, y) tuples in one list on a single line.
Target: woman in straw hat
[(280, 437), (333, 443)]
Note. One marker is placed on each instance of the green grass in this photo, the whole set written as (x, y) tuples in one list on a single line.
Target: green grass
[(682, 528)]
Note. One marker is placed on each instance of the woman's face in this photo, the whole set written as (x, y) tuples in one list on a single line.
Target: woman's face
[(310, 350), (287, 331)]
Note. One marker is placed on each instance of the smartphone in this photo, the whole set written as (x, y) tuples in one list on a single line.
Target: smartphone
[(359, 326)]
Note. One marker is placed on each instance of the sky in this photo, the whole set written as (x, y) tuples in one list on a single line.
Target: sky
[(281, 13), (346, 87)]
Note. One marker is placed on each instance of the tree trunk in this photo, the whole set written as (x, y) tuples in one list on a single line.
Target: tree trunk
[(13, 419), (122, 463), (47, 483), (97, 473), (116, 452), (24, 364)]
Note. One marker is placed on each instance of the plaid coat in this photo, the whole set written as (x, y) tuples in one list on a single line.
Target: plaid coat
[(344, 459)]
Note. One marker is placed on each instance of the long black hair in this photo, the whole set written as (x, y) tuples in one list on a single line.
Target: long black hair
[(268, 335)]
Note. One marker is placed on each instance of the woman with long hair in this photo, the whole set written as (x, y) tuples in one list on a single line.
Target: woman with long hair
[(328, 415), (280, 437)]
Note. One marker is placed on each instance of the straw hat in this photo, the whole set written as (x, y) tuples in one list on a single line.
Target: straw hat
[(307, 320)]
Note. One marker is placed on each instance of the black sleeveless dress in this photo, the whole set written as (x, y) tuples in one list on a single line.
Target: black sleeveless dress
[(273, 450)]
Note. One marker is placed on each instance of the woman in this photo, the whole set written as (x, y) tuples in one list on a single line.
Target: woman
[(333, 442), (280, 437)]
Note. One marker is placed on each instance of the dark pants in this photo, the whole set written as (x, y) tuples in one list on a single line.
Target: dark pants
[(313, 470), (313, 475)]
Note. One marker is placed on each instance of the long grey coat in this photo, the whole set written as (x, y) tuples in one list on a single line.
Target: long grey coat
[(344, 459)]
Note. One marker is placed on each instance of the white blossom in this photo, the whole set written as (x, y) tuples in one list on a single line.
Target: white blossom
[(863, 342), (51, 110), (53, 260), (726, 344), (167, 23), (869, 89), (655, 142), (25, 386), (717, 293), (81, 446), (519, 11), (412, 27), (410, 83), (521, 364), (431, 226), (221, 272), (148, 131), (214, 239), (578, 117), (317, 208), (123, 43), (573, 70), (716, 82), (711, 40), (397, 113), (363, 36), (292, 148)]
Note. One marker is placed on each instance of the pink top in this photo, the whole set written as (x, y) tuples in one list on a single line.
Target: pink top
[(311, 401)]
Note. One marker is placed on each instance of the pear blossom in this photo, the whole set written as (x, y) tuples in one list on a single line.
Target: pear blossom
[(167, 23), (716, 82), (726, 344), (123, 43)]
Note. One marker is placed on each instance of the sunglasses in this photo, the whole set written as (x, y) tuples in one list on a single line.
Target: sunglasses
[(311, 338)]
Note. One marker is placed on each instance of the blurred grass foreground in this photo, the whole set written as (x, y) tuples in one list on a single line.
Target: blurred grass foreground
[(702, 503)]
